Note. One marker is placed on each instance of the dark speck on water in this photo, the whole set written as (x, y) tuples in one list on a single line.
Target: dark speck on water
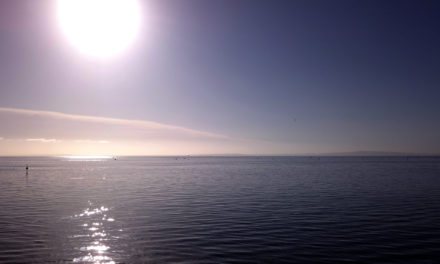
[(221, 210)]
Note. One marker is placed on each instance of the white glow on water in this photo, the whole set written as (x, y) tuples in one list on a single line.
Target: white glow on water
[(92, 157), (94, 247), (94, 259), (99, 234)]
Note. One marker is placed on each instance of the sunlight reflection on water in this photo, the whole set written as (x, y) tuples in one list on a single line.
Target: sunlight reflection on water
[(95, 246), (87, 158)]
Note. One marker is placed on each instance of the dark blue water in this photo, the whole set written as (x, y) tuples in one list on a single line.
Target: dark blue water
[(220, 210)]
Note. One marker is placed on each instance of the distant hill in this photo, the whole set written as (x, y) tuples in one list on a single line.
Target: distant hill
[(376, 153)]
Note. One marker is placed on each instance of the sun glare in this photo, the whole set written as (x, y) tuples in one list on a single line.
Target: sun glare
[(99, 28)]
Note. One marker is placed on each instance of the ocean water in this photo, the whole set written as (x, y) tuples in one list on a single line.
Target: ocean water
[(220, 210)]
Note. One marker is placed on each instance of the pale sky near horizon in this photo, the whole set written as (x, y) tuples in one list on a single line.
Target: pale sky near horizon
[(225, 76)]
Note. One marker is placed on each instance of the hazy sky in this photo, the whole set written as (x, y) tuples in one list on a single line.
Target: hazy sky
[(226, 76)]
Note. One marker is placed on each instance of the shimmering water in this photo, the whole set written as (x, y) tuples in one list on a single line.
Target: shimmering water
[(220, 210)]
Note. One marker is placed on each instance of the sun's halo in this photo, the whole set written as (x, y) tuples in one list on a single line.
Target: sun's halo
[(99, 28)]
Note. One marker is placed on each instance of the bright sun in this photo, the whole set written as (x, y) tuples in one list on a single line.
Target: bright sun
[(99, 28)]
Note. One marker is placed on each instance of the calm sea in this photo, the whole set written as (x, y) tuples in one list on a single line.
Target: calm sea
[(220, 210)]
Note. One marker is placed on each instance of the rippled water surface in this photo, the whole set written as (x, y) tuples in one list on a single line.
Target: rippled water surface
[(220, 210)]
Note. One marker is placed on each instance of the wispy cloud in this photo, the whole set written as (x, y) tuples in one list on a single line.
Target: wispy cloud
[(43, 140), (65, 134), (147, 128), (25, 131)]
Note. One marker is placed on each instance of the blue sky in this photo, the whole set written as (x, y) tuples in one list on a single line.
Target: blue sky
[(289, 76)]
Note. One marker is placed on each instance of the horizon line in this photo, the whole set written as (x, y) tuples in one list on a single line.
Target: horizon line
[(342, 154)]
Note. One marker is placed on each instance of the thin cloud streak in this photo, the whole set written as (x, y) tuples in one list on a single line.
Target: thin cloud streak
[(26, 130), (43, 140), (114, 121)]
